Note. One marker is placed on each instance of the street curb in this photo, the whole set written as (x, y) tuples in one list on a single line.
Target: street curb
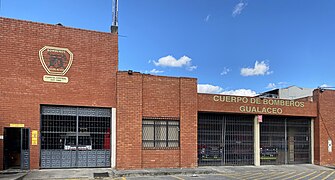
[(160, 172), (22, 176), (13, 175), (330, 167)]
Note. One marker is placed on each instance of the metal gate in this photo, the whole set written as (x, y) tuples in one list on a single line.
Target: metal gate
[(25, 151), (285, 140), (75, 137), (225, 139)]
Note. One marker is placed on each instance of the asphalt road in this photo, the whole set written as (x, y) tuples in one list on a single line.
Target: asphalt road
[(283, 175), (267, 172)]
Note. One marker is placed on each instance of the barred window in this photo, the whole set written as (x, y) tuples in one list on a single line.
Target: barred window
[(160, 133)]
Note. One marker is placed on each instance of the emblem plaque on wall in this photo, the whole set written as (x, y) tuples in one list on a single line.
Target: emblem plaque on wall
[(56, 62)]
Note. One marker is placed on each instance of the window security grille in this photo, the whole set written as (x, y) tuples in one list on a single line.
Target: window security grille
[(160, 133)]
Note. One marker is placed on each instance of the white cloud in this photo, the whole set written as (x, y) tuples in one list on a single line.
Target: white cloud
[(225, 71), (282, 83), (271, 86), (239, 8), (207, 18), (191, 68), (240, 92), (207, 88), (325, 85), (170, 61), (211, 89), (276, 85), (154, 71), (260, 68)]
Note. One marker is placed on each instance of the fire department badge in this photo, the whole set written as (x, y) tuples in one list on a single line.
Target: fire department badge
[(56, 62)]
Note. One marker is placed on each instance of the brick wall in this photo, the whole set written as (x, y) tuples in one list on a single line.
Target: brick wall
[(92, 76), (324, 127), (140, 96), (189, 123), (161, 158), (129, 121), (161, 96), (92, 82)]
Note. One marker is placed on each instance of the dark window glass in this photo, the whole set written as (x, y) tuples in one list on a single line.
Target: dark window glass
[(160, 133)]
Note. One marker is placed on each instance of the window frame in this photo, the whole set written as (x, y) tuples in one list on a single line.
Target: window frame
[(169, 124)]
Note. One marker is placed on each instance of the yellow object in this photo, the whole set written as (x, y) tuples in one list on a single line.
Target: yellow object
[(34, 136), (16, 125)]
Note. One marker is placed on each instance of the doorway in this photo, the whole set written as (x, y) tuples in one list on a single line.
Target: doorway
[(285, 140), (225, 139), (75, 137), (16, 148)]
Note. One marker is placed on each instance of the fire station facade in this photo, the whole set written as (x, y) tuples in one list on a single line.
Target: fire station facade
[(64, 104)]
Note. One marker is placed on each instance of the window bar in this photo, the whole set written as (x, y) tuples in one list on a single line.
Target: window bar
[(167, 134), (154, 133)]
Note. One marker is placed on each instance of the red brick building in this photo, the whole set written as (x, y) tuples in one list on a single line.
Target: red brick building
[(64, 104)]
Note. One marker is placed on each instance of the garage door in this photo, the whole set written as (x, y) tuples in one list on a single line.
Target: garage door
[(225, 139), (285, 140), (73, 137)]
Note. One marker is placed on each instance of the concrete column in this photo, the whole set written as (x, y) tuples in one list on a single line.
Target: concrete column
[(113, 139), (257, 155), (312, 141)]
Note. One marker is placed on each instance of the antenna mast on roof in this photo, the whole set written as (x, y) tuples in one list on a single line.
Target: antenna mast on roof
[(115, 11)]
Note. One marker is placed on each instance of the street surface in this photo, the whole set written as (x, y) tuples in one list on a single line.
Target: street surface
[(267, 172), (285, 175)]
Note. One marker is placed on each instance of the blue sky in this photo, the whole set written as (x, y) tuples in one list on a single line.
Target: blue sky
[(231, 46)]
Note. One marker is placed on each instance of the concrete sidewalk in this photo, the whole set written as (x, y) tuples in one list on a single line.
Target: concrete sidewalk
[(12, 174), (163, 171), (83, 173), (92, 173)]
